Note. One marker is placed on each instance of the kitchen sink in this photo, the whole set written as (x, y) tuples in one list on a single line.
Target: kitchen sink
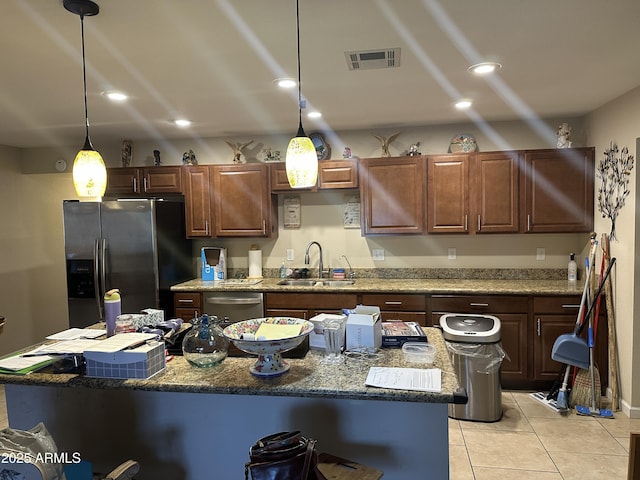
[(309, 282)]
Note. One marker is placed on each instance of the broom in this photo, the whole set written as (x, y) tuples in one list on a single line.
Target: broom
[(587, 387)]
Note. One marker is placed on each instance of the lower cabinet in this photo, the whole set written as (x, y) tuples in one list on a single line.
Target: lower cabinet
[(187, 305), (512, 311), (403, 307), (306, 305)]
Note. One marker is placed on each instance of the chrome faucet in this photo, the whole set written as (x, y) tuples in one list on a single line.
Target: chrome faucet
[(352, 274), (307, 260)]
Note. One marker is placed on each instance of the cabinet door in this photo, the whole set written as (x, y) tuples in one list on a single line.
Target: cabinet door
[(558, 187), (338, 174), (187, 305), (393, 195), (162, 180), (197, 201), (123, 181), (514, 370), (243, 205), (495, 198), (448, 194), (280, 182), (548, 329)]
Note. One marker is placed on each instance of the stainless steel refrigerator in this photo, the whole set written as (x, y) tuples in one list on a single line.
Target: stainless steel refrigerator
[(137, 246)]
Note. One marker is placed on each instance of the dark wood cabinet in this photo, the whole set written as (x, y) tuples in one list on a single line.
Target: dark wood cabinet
[(554, 316), (337, 174), (393, 195), (448, 193), (513, 313), (187, 305), (307, 305), (557, 190), (494, 184), (143, 181), (242, 202), (198, 218), (280, 182), (406, 307)]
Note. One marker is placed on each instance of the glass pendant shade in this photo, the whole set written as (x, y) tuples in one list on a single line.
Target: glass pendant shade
[(302, 162), (89, 173)]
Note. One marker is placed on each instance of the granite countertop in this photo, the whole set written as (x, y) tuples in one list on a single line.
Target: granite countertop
[(394, 285), (308, 377)]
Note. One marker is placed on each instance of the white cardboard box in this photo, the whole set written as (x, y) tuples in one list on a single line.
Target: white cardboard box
[(316, 337), (364, 328)]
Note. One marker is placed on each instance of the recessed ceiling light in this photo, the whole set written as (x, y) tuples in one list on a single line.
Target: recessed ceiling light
[(285, 82), (182, 122), (463, 104), (115, 96), (314, 114), (484, 68)]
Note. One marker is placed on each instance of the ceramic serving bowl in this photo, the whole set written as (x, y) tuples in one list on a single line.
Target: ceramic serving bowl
[(269, 362)]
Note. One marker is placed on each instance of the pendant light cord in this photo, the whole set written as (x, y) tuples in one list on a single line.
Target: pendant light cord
[(300, 130), (87, 143)]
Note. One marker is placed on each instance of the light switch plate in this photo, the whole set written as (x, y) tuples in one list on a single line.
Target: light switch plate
[(290, 256), (378, 253), (452, 254), (540, 253)]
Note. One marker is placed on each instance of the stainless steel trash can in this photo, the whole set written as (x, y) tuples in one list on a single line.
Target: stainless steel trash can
[(473, 342)]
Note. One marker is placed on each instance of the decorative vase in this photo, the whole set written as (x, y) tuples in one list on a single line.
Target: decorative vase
[(204, 345)]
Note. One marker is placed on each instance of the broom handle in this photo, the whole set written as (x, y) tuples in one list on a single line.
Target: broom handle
[(600, 287), (611, 325)]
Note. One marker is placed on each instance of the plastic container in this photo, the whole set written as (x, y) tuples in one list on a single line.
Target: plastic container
[(572, 269), (283, 270), (112, 308), (419, 352)]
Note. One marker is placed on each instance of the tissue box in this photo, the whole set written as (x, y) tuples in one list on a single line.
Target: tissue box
[(364, 328), (152, 317), (316, 337), (140, 362)]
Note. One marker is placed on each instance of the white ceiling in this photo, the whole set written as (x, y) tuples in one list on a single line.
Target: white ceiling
[(213, 61)]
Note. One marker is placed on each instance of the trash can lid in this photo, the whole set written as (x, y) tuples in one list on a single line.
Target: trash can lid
[(470, 328)]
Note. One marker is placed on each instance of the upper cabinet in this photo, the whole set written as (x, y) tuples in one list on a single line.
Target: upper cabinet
[(393, 195), (338, 174), (557, 190), (280, 182), (197, 180), (242, 202), (448, 193), (143, 181)]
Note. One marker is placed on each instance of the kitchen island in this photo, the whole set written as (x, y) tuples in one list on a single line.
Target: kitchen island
[(187, 423)]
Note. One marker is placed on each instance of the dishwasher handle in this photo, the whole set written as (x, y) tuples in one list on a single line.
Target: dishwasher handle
[(234, 300)]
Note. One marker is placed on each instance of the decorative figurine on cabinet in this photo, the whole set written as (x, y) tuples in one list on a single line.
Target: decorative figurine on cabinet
[(189, 158), (127, 152), (346, 153), (156, 158), (238, 157), (384, 143), (414, 150), (564, 132), (271, 156)]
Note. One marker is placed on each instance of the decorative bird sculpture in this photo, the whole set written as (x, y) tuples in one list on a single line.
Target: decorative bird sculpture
[(237, 151), (384, 143)]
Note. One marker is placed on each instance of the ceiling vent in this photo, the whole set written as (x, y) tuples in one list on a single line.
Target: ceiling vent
[(372, 59)]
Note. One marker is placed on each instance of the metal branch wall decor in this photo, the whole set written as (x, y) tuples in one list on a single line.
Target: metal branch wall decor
[(614, 172)]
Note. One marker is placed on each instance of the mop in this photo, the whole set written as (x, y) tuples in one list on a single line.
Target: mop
[(593, 410)]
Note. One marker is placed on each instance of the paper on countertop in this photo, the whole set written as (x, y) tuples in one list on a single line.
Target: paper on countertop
[(75, 333), (419, 379), (64, 347), (273, 331), (121, 341), (18, 362)]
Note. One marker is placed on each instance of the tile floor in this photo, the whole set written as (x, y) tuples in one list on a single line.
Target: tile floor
[(531, 442)]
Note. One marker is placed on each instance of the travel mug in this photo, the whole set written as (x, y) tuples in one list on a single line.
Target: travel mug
[(112, 308)]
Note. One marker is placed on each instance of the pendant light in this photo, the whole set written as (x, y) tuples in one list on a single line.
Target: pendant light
[(301, 159), (89, 171)]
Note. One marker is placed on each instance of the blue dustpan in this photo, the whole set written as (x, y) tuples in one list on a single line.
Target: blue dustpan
[(571, 349)]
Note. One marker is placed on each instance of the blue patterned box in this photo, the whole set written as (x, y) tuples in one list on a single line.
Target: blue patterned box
[(140, 362)]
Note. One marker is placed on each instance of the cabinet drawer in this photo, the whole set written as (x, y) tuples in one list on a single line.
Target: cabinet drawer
[(187, 300), (310, 301), (395, 302), (479, 303), (568, 304)]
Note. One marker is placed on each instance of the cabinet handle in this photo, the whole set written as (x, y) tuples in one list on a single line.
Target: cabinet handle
[(539, 327), (478, 304), (570, 305), (466, 227), (264, 227), (392, 303), (144, 184), (528, 222), (478, 222), (206, 227), (134, 181), (185, 300)]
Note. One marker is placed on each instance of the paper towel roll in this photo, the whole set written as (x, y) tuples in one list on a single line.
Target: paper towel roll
[(255, 263)]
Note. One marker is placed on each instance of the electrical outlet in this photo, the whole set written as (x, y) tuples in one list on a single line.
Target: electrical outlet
[(290, 255), (540, 253), (452, 254), (378, 254)]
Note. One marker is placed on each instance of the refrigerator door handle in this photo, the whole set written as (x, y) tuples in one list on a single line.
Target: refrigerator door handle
[(96, 278), (103, 266)]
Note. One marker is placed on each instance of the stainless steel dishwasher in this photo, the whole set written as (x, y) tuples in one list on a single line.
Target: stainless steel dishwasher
[(232, 307)]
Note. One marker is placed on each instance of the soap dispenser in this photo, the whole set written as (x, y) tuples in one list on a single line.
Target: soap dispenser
[(572, 269)]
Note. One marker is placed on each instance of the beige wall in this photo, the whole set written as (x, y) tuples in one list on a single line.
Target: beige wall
[(618, 122)]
